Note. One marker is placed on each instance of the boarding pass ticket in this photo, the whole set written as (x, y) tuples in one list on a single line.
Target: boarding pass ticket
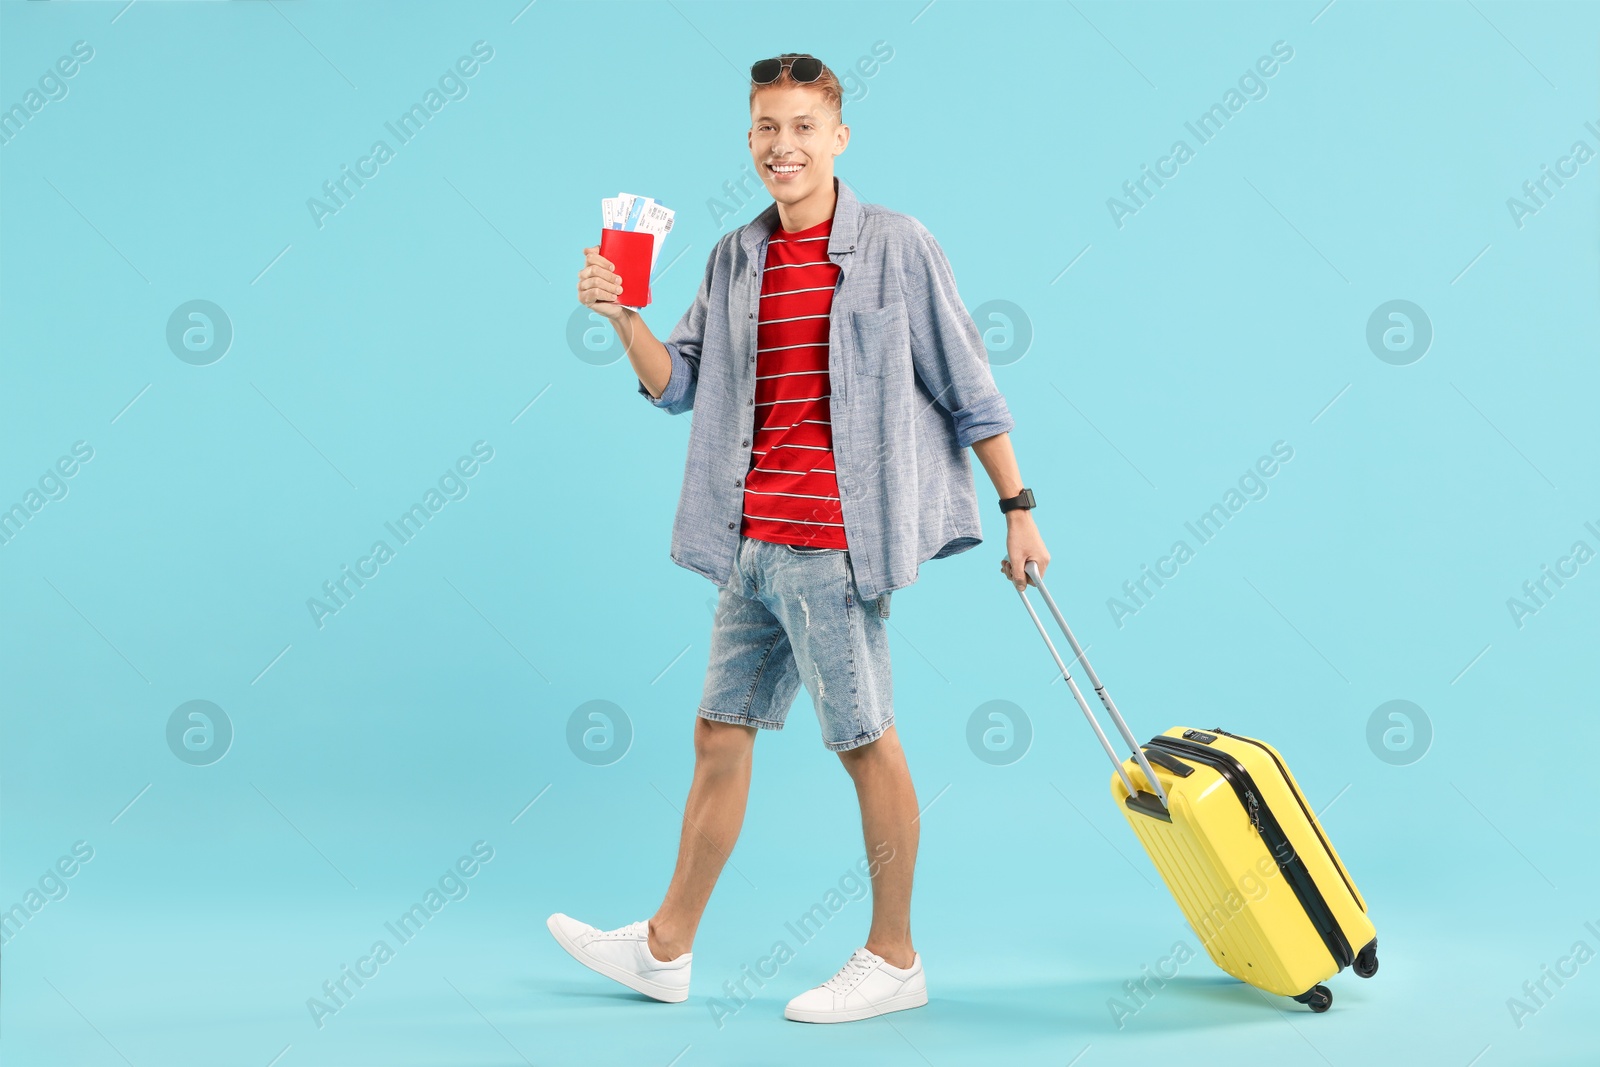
[(626, 211)]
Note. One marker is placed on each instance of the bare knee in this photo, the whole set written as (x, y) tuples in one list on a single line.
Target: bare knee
[(875, 757), (722, 746)]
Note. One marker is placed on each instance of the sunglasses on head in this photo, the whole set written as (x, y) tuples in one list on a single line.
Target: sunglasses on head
[(802, 68)]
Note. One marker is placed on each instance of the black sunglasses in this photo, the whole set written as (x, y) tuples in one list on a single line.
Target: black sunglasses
[(802, 68)]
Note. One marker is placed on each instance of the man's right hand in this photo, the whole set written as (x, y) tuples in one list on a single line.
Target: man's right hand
[(599, 286)]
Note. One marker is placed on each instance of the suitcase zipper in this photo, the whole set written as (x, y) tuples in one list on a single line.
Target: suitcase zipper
[(1309, 817), (1255, 810), (1277, 842)]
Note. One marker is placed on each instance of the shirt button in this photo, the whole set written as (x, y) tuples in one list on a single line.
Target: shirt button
[(745, 443), (738, 481), (730, 525)]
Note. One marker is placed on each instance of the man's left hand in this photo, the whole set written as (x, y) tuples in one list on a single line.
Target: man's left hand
[(1023, 543)]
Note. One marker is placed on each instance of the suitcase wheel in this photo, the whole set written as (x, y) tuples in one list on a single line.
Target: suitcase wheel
[(1366, 964), (1317, 998)]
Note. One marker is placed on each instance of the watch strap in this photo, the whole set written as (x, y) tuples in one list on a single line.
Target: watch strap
[(1022, 500)]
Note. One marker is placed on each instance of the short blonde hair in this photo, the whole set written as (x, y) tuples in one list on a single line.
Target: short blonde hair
[(827, 83)]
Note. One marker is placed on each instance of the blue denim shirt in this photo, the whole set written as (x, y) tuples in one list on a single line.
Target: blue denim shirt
[(910, 391)]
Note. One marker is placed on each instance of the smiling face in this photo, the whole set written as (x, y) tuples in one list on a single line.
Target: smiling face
[(793, 138)]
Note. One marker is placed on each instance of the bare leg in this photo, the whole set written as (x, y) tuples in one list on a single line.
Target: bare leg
[(712, 817), (888, 818)]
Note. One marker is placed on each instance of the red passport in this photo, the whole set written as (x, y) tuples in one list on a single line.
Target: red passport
[(630, 253)]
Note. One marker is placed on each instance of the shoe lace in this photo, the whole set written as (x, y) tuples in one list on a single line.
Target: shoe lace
[(857, 967), (625, 933)]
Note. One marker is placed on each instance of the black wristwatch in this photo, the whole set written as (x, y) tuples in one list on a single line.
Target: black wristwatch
[(1023, 499)]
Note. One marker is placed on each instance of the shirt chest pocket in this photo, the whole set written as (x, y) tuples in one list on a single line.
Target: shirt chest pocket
[(881, 339)]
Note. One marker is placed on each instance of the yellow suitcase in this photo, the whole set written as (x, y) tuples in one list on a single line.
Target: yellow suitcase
[(1238, 845)]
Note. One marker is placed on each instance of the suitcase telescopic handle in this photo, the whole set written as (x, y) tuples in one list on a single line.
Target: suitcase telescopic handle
[(1032, 570)]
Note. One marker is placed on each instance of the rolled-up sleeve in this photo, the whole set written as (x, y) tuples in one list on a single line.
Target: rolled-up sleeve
[(946, 348), (683, 349)]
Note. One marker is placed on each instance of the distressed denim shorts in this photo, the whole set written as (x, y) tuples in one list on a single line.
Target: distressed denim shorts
[(790, 615)]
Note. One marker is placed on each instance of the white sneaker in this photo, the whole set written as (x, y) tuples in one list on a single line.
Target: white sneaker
[(624, 955), (866, 986)]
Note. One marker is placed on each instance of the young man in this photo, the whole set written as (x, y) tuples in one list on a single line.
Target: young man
[(836, 380)]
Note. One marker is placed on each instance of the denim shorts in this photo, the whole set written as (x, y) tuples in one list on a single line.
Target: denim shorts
[(790, 615)]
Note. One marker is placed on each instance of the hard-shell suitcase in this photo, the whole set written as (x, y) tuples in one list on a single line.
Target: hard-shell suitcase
[(1238, 845)]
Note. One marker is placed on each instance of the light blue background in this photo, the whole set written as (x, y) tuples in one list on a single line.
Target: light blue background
[(434, 309)]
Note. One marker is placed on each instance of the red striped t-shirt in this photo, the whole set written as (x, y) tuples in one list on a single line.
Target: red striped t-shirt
[(791, 492)]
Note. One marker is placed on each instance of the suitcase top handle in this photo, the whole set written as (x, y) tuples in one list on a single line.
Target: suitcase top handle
[(1032, 570)]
